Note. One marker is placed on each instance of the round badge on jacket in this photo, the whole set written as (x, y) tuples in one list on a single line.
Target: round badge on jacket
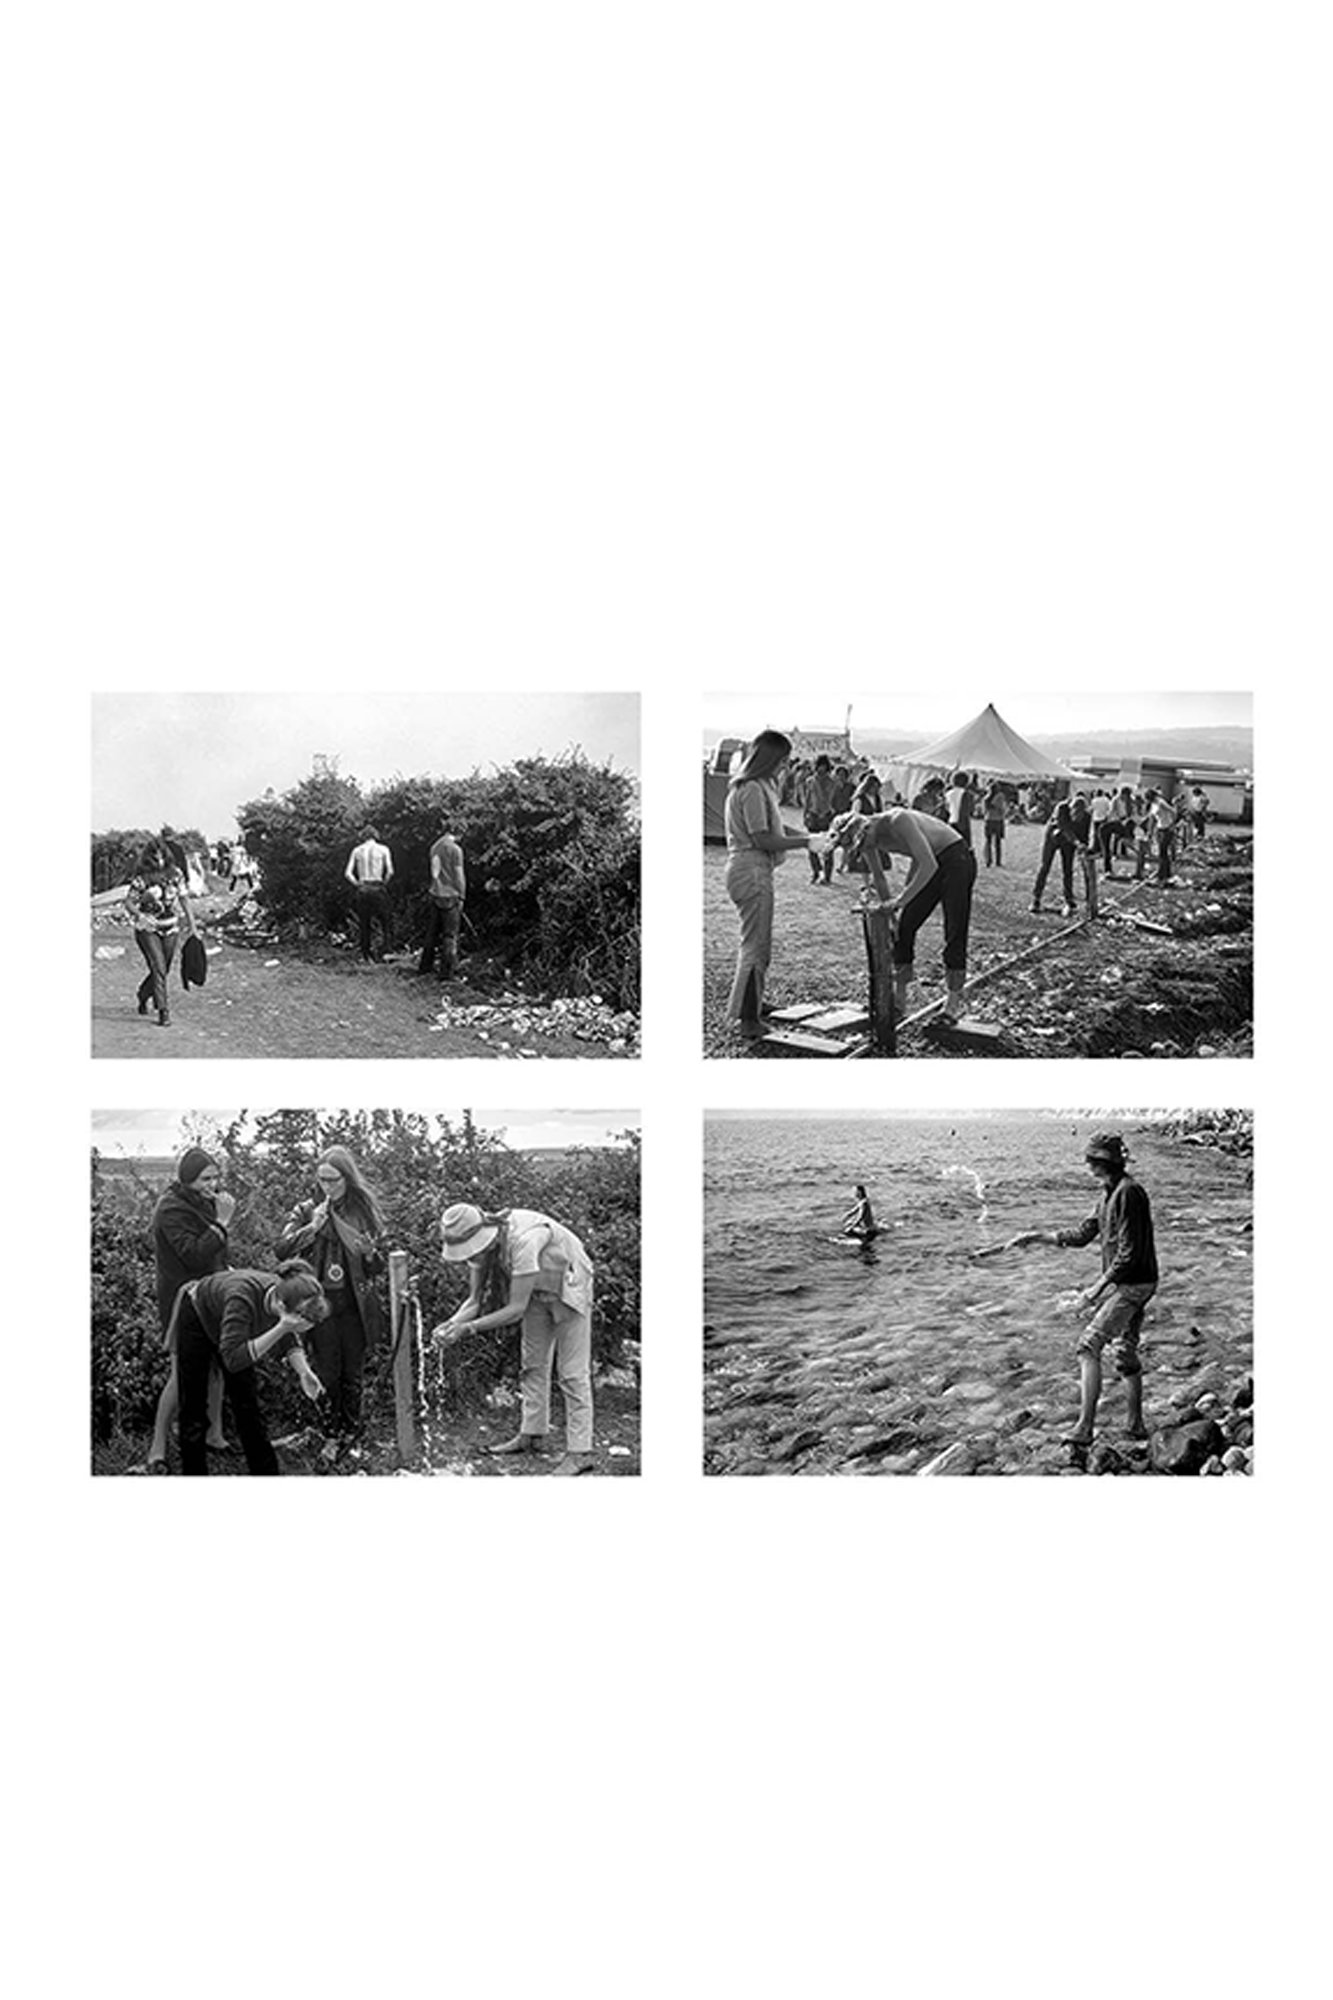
[(334, 1274)]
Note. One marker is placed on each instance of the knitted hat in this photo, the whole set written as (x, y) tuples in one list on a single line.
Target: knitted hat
[(1108, 1147), (193, 1162)]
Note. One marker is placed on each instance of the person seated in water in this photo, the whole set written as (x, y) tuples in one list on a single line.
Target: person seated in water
[(1122, 1223), (859, 1219)]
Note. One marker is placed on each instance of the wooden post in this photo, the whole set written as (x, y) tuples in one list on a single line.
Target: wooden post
[(877, 924), (404, 1372)]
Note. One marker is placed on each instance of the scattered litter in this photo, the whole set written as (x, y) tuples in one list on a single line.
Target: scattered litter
[(270, 964), (514, 1014), (619, 1451), (212, 951), (109, 951)]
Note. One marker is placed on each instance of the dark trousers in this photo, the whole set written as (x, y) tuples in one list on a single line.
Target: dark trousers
[(1166, 853), (372, 906), (159, 949), (1050, 848), (994, 829), (1106, 844), (338, 1356), (443, 921), (951, 887), (195, 1355)]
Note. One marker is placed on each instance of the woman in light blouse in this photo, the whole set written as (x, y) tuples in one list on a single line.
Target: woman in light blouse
[(757, 843), (157, 906)]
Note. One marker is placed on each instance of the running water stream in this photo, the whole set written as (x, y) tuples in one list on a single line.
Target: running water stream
[(828, 1356)]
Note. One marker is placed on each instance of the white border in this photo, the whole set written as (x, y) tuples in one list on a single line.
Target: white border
[(673, 1085)]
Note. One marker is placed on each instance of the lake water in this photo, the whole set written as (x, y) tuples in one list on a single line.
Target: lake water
[(823, 1356)]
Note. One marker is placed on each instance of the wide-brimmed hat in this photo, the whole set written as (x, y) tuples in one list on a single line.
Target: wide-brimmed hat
[(1108, 1147), (465, 1232)]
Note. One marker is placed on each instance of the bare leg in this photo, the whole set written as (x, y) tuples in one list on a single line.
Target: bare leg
[(1134, 1399), (168, 1404), (1090, 1396)]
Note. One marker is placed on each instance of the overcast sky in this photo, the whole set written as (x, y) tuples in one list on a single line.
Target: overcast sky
[(948, 707), (155, 1133), (189, 760)]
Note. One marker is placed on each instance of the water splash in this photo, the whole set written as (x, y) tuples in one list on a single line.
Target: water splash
[(970, 1175)]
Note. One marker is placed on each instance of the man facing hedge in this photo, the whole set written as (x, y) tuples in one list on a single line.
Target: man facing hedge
[(444, 912)]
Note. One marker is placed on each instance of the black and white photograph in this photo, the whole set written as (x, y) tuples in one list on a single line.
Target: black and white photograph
[(944, 875), (988, 1293), (350, 875), (360, 1293)]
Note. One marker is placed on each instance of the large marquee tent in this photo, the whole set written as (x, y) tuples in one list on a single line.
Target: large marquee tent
[(988, 745)]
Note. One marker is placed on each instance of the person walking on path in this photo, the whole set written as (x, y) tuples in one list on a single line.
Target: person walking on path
[(190, 1223), (1057, 843), (238, 1319), (526, 1269), (993, 824), (1122, 1224), (370, 870), (819, 812), (942, 869), (158, 908), (444, 911), (339, 1237), (757, 843)]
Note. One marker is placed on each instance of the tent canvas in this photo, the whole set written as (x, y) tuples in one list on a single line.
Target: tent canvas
[(988, 745)]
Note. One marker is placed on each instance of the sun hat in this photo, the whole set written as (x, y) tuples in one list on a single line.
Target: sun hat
[(1107, 1146), (848, 828), (465, 1232)]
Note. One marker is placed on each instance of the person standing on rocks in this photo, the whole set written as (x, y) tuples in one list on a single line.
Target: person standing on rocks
[(1122, 1224), (525, 1269), (370, 870), (444, 914)]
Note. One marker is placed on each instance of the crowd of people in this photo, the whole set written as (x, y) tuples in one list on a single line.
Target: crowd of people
[(158, 901), (856, 822), (321, 1313)]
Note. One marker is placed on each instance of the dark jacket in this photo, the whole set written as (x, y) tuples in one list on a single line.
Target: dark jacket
[(324, 1249), (188, 1242), (229, 1310), (1123, 1221)]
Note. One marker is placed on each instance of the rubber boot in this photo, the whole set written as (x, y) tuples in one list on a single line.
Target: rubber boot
[(954, 1005), (524, 1441)]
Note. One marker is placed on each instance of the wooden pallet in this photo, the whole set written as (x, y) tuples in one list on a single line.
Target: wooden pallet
[(831, 1032)]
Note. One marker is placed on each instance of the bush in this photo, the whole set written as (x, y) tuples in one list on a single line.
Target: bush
[(552, 852), (416, 1166)]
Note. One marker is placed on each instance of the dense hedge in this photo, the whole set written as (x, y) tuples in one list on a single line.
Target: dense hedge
[(416, 1166), (552, 852), (115, 853)]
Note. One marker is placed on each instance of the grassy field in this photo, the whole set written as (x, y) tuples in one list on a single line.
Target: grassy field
[(1110, 990), (267, 1000)]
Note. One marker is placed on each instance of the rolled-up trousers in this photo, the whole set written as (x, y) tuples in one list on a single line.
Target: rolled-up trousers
[(750, 887), (553, 1335)]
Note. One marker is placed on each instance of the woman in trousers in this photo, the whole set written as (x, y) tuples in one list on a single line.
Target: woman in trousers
[(158, 907), (190, 1225), (757, 843), (238, 1319), (525, 1269)]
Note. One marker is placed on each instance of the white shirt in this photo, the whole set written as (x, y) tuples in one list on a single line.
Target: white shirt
[(1101, 808), (370, 862), (552, 1254)]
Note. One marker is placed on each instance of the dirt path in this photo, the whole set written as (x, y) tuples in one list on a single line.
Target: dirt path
[(267, 1001)]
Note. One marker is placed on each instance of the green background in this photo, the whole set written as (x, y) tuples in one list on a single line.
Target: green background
[(587, 323)]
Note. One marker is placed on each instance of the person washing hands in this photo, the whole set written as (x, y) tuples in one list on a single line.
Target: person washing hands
[(525, 1269)]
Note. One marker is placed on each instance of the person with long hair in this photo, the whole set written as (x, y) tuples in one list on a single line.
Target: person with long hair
[(158, 909), (941, 870), (757, 843), (526, 1269), (236, 1319), (339, 1235), (190, 1223)]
